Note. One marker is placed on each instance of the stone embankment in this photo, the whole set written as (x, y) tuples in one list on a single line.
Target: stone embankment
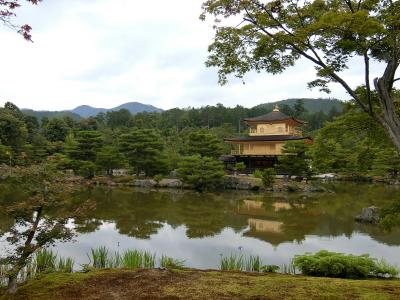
[(241, 182)]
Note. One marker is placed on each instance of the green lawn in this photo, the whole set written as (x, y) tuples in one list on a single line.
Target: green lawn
[(194, 284)]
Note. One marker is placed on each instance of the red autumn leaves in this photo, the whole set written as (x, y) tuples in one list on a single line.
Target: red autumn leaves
[(7, 12)]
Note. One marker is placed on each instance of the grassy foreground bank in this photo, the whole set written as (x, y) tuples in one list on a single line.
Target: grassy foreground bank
[(196, 284)]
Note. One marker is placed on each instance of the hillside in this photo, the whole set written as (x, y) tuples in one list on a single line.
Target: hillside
[(312, 105), (85, 111), (51, 114), (133, 107)]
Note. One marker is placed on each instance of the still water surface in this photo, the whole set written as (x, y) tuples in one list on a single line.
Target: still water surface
[(198, 228)]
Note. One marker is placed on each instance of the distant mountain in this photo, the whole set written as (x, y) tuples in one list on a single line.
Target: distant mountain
[(85, 111), (134, 108), (311, 104), (51, 114)]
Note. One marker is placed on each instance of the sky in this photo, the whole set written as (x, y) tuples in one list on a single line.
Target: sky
[(107, 52)]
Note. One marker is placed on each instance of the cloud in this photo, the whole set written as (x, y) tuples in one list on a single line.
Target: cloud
[(107, 52)]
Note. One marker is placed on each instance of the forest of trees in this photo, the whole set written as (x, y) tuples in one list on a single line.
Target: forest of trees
[(183, 139)]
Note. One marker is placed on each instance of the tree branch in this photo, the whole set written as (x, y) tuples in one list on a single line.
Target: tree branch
[(367, 83), (349, 4)]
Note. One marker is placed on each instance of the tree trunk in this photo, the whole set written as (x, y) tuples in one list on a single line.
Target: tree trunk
[(12, 284), (388, 117), (392, 128)]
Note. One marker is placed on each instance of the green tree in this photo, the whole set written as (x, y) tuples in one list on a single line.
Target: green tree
[(85, 146), (387, 162), (120, 118), (273, 35), (204, 173), (295, 160), (56, 130), (13, 131), (83, 152), (109, 158), (143, 149), (353, 144), (268, 177), (390, 215), (203, 143), (299, 109), (5, 154), (287, 110), (32, 126), (44, 190)]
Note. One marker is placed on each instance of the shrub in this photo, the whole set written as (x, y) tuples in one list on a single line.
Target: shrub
[(268, 177), (240, 167), (158, 178), (171, 263), (339, 265), (270, 269), (257, 174)]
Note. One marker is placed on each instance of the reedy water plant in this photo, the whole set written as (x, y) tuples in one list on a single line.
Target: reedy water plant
[(99, 258), (65, 265), (132, 259), (289, 268), (253, 264), (149, 260), (233, 262), (45, 261)]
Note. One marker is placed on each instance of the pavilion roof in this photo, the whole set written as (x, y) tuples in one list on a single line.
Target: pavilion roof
[(266, 138), (273, 116)]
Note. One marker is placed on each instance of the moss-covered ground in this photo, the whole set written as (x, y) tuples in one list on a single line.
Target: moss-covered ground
[(195, 284)]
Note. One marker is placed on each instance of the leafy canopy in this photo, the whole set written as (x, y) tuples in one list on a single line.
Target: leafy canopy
[(271, 36)]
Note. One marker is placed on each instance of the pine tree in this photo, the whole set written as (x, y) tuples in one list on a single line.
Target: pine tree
[(85, 146), (143, 149), (203, 173), (295, 160), (109, 158), (204, 143)]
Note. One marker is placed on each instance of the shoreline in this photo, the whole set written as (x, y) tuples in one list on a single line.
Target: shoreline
[(199, 284)]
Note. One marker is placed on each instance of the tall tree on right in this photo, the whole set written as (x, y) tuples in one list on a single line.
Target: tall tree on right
[(272, 35)]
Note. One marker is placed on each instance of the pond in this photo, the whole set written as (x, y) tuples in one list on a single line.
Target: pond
[(198, 228)]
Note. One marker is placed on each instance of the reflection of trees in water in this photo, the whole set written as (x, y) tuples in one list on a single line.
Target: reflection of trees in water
[(328, 214), (5, 223), (8, 194), (140, 213)]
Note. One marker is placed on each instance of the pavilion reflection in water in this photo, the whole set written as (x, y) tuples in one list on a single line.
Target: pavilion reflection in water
[(266, 224)]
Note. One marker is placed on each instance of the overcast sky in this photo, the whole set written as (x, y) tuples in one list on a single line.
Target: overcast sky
[(107, 52)]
